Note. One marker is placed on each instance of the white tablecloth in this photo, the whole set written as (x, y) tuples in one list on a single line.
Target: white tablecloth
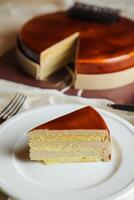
[(12, 15)]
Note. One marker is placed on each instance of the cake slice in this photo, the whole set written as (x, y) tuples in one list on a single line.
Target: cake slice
[(80, 136)]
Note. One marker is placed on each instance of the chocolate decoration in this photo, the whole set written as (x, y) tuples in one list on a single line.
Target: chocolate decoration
[(94, 13), (9, 70)]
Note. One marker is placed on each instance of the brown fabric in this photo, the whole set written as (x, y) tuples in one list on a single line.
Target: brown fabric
[(9, 70)]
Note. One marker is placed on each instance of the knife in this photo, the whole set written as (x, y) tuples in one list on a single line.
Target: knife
[(125, 107)]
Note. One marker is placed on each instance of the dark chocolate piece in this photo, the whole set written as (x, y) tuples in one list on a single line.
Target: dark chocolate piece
[(93, 13)]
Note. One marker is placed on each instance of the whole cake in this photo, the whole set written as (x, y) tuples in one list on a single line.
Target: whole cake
[(80, 136), (103, 53)]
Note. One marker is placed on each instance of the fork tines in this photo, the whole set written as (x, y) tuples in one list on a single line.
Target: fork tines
[(13, 107)]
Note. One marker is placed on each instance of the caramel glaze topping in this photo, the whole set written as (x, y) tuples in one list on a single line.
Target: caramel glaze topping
[(102, 48), (84, 118)]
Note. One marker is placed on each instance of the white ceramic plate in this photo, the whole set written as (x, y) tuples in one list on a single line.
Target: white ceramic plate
[(26, 180)]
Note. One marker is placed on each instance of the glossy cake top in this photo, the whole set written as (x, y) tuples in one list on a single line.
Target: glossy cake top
[(84, 118), (101, 48), (97, 40)]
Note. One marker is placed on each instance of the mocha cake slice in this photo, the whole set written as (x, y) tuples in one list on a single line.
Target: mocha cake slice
[(80, 136)]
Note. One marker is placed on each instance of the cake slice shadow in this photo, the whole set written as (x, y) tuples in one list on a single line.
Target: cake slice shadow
[(22, 153)]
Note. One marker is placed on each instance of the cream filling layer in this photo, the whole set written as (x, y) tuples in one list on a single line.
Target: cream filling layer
[(28, 65), (67, 135), (43, 155), (104, 81), (42, 148), (51, 59), (57, 56), (67, 146)]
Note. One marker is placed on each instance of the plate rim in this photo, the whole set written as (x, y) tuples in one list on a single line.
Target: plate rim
[(119, 194)]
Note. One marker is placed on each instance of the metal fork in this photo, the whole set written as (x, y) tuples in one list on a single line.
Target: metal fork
[(13, 107)]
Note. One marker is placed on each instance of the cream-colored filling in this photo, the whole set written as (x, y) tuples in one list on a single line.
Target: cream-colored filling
[(51, 59), (91, 155), (104, 81), (57, 56), (66, 150), (64, 146), (67, 135), (67, 146), (42, 155), (28, 65)]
